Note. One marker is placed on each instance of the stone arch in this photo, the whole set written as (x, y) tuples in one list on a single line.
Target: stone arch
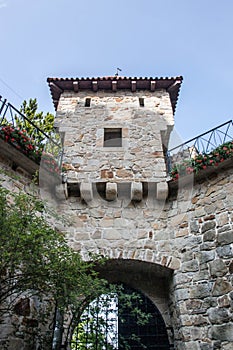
[(153, 280), (122, 327), (135, 254)]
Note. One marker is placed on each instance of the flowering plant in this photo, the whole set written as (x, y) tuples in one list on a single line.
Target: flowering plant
[(20, 140), (50, 164), (202, 161)]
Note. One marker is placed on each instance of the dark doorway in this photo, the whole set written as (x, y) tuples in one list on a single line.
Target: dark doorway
[(151, 334), (127, 320)]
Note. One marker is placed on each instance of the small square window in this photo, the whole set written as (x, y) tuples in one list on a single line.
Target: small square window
[(87, 102), (112, 137), (141, 101)]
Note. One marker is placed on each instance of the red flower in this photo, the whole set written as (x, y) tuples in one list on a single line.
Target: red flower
[(189, 170)]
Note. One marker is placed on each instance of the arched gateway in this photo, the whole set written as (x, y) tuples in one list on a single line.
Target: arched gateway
[(139, 310), (116, 132), (124, 320), (170, 241)]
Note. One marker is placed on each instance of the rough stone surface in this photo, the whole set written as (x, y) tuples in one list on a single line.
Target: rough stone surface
[(177, 250), (223, 332), (136, 191), (217, 268), (221, 287), (111, 191), (218, 316)]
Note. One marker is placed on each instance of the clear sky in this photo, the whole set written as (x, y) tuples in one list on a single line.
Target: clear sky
[(81, 38)]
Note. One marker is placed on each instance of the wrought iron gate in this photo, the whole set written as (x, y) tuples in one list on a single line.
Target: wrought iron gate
[(112, 322)]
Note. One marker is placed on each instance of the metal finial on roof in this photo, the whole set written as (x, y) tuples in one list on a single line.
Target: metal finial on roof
[(117, 72)]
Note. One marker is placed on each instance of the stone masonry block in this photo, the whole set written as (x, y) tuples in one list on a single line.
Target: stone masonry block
[(136, 191), (111, 191), (62, 191), (223, 332), (86, 191), (162, 191)]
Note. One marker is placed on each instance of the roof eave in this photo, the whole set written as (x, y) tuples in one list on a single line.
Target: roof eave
[(170, 84)]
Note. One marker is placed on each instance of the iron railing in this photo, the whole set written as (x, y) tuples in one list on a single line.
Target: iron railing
[(9, 115), (201, 144)]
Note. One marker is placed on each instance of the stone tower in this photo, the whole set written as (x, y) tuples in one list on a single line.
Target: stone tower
[(116, 131), (170, 240)]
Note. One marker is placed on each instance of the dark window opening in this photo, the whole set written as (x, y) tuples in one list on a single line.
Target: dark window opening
[(141, 102), (112, 137), (87, 102)]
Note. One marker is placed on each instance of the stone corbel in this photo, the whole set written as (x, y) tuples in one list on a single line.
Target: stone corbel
[(61, 191), (162, 190), (136, 191), (111, 191), (86, 191)]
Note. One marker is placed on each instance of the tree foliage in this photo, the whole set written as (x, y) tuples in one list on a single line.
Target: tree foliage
[(43, 121), (100, 325), (36, 259), (39, 127)]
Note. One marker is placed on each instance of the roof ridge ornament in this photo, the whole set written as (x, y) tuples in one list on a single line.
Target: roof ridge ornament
[(117, 72)]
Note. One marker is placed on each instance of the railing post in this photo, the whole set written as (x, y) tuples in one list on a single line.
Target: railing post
[(3, 105), (57, 330), (169, 162)]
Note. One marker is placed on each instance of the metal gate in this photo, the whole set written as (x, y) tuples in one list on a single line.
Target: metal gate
[(121, 321)]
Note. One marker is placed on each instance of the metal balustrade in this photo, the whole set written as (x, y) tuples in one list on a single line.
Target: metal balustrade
[(201, 145), (11, 116)]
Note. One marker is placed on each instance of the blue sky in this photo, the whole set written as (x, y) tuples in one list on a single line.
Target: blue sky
[(75, 38)]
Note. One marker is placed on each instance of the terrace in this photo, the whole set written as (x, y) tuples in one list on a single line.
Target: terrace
[(209, 149), (27, 150)]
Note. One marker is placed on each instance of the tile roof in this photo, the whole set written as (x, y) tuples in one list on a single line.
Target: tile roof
[(114, 83)]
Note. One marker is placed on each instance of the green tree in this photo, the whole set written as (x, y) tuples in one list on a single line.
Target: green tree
[(39, 127), (36, 259), (43, 121)]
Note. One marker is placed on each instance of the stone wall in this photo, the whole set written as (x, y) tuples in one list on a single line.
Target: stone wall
[(191, 234), (141, 155), (176, 248), (202, 291), (185, 244), (184, 240), (21, 329)]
